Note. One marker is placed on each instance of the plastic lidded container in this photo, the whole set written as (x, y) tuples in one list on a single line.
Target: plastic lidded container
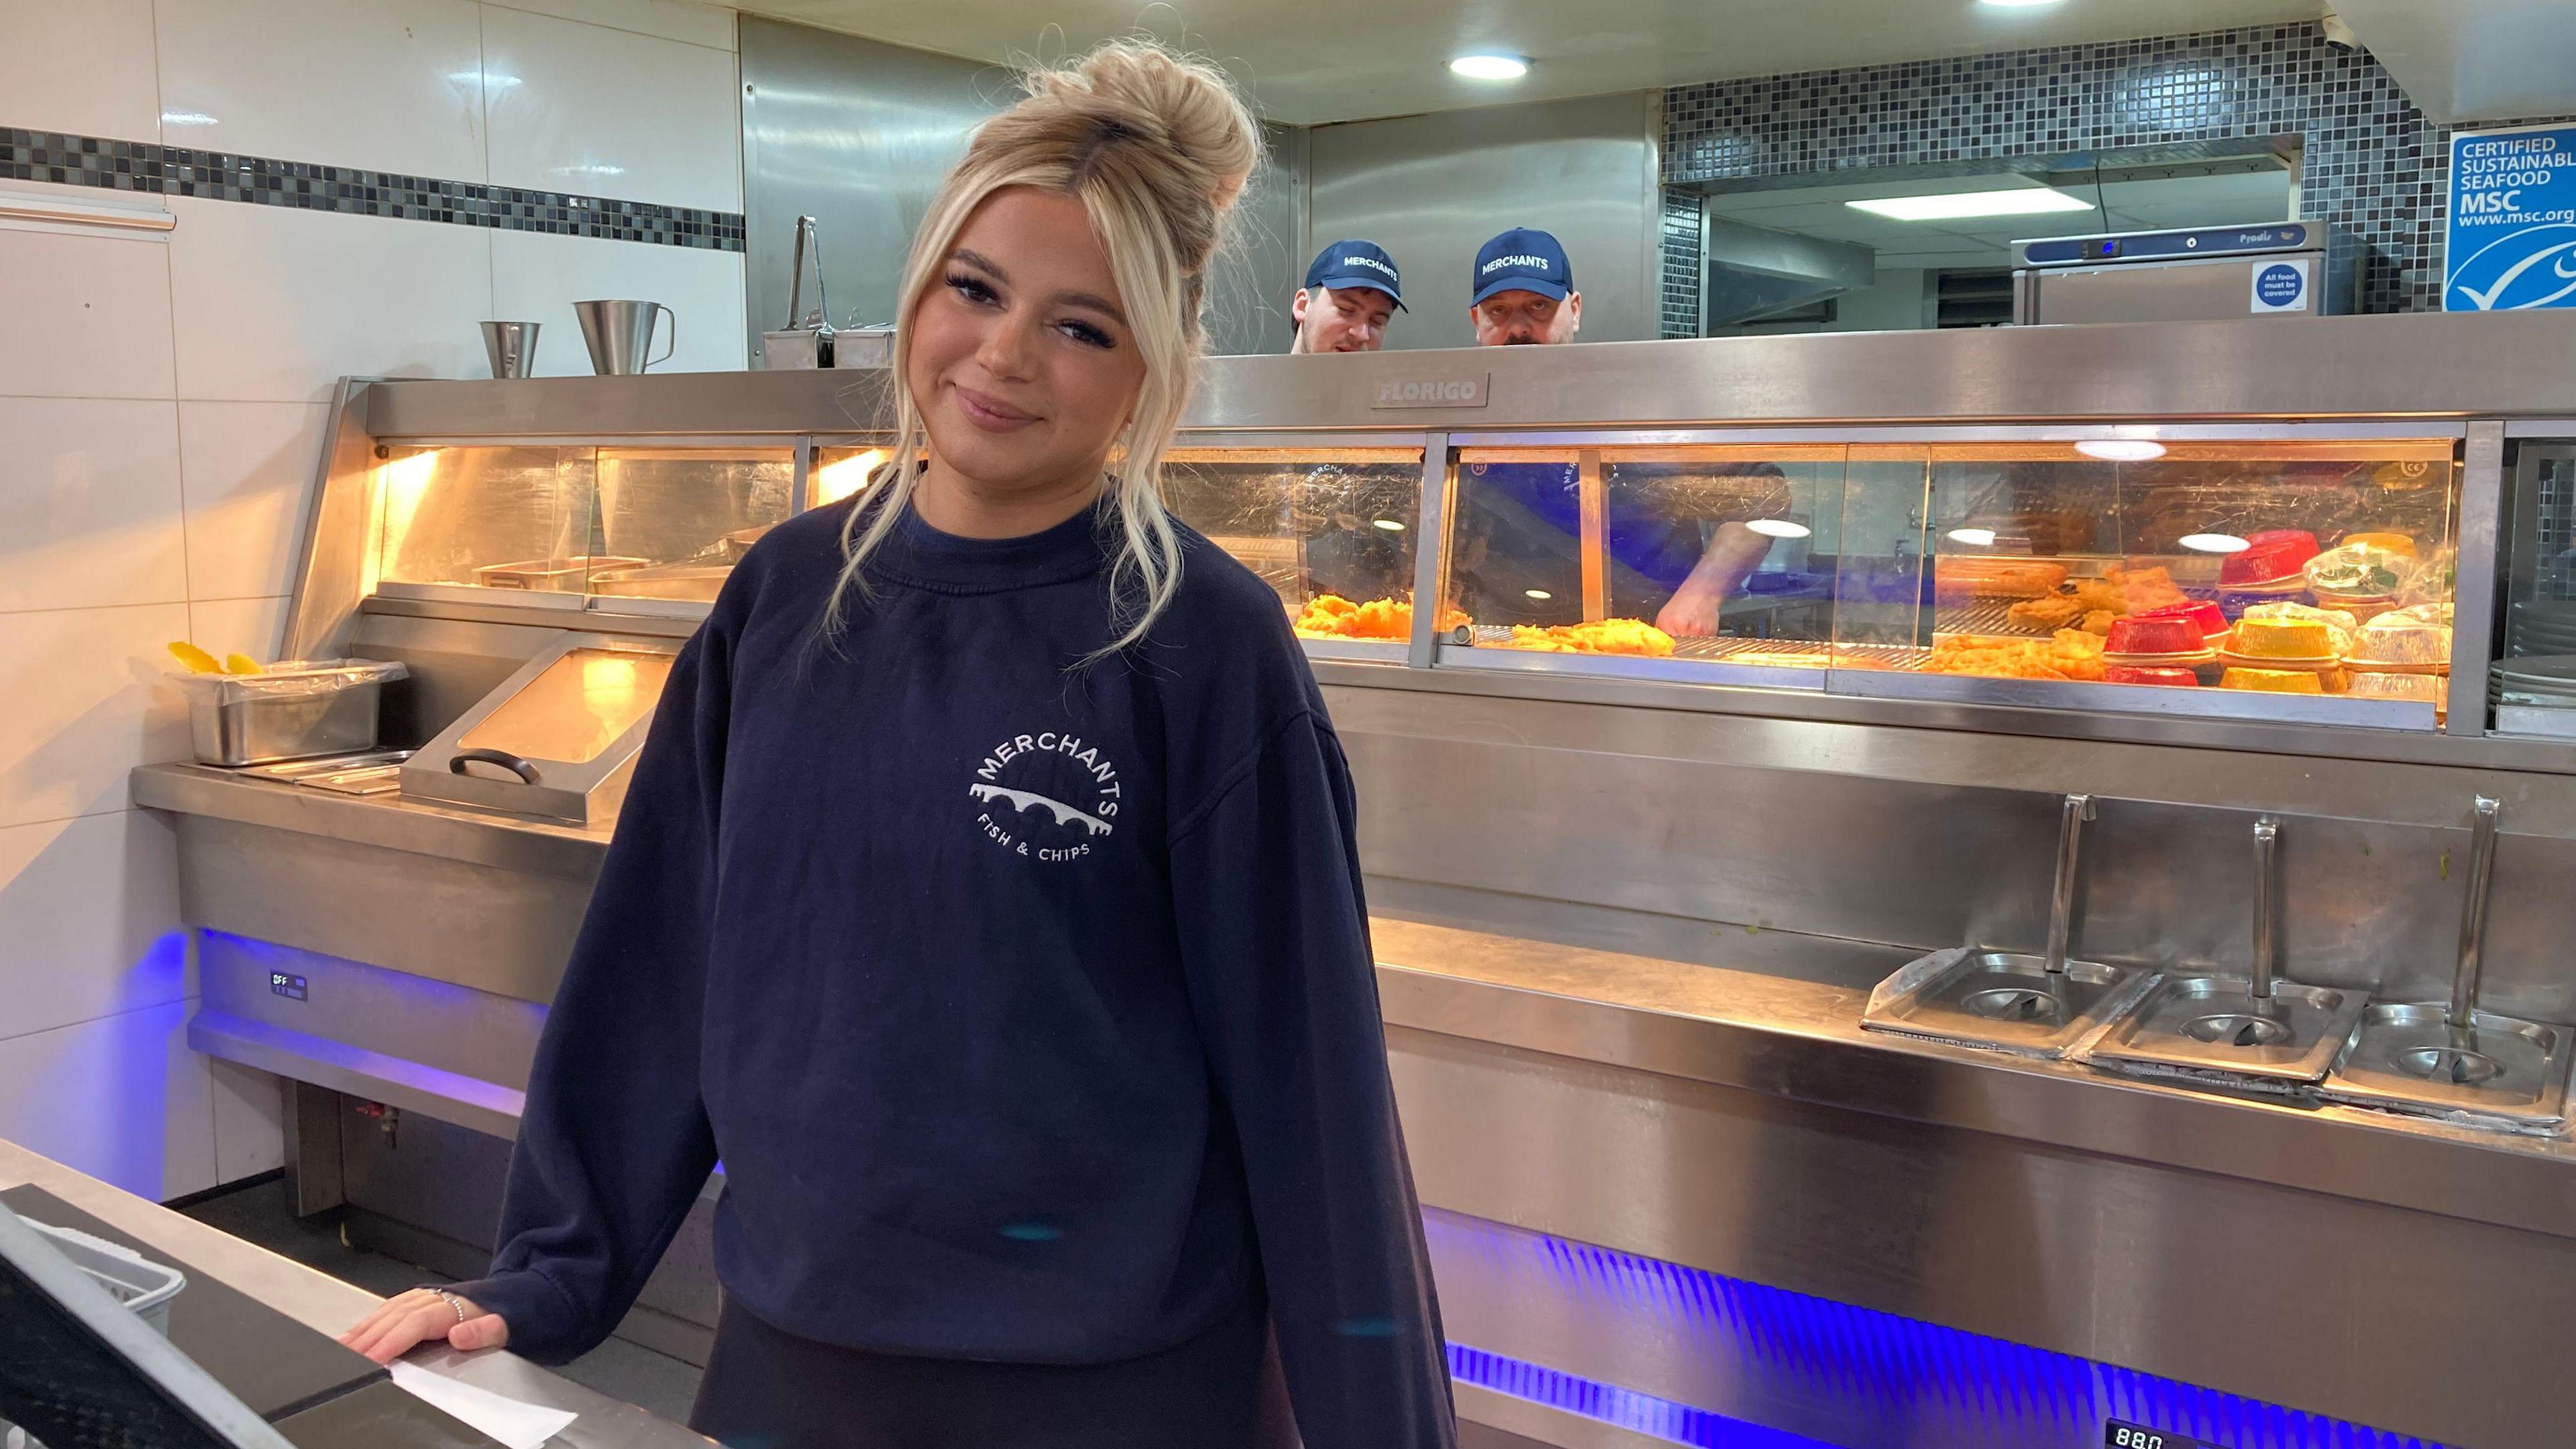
[(2415, 688), (2147, 634), (2396, 642), (2340, 624), (2283, 639), (2268, 557), (2150, 674)]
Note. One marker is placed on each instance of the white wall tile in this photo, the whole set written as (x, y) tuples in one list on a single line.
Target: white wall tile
[(89, 503), (669, 19), (537, 278), (610, 113), (250, 1120), (256, 627), (89, 78), (249, 475), (89, 920), (121, 1098), (87, 701), (274, 305), (389, 85), (83, 316)]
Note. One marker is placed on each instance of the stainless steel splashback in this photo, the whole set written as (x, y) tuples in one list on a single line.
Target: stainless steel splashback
[(856, 134), (1431, 189)]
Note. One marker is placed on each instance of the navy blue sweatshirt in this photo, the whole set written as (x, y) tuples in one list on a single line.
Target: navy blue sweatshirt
[(1029, 1007)]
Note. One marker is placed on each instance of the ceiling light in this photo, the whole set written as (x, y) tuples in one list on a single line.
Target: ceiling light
[(1968, 205), (2016, 4), (1973, 537), (2215, 543), (1541, 595), (1778, 528), (2121, 450), (1490, 67), (186, 118), (1389, 524)]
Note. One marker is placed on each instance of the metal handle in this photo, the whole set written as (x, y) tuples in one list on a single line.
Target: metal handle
[(2473, 921), (796, 276), (2061, 898), (661, 312), (526, 772), (2267, 903)]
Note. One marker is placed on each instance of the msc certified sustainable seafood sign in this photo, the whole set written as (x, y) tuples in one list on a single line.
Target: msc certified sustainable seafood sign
[(2511, 242)]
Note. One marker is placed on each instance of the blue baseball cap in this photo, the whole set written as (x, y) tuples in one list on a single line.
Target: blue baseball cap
[(1356, 263), (1521, 260)]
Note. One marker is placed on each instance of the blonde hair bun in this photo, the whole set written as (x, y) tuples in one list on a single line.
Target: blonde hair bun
[(1194, 141)]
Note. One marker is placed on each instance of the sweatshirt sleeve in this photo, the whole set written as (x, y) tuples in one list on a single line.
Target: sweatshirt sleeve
[(1282, 980), (614, 1144)]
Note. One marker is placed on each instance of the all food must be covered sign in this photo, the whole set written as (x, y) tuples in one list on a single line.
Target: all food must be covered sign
[(2511, 243)]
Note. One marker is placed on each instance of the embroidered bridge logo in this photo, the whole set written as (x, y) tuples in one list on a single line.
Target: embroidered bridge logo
[(1046, 795)]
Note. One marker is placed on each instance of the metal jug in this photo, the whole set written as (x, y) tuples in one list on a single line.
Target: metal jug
[(512, 347), (620, 334)]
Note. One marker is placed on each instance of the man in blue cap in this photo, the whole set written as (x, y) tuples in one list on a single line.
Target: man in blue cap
[(1524, 291), (1676, 537), (1350, 292)]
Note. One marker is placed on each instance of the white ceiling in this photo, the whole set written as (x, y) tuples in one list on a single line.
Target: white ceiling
[(2222, 199), (1344, 60)]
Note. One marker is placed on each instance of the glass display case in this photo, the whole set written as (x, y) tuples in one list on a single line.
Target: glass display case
[(622, 523), (2532, 685), (2296, 572), (1335, 530), (2319, 568)]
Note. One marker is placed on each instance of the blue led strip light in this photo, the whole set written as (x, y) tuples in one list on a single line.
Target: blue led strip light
[(1614, 1405), (1925, 1382)]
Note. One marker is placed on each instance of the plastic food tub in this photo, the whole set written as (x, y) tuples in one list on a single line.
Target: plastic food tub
[(2270, 556), (2143, 634), (298, 709), (143, 1286)]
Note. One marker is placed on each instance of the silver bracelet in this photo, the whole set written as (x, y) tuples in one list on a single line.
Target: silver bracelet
[(451, 1301)]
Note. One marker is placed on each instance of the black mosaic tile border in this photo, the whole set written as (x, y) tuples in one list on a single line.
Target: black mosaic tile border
[(150, 167), (2374, 164)]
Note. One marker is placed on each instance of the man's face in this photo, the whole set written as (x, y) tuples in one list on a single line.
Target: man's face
[(1341, 319), (1520, 319)]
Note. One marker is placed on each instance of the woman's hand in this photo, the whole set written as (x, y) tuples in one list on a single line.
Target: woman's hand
[(407, 1320)]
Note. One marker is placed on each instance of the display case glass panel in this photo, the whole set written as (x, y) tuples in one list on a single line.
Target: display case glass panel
[(1333, 530), (2299, 567), (2531, 685), (1715, 553), (617, 522), (517, 518), (684, 515)]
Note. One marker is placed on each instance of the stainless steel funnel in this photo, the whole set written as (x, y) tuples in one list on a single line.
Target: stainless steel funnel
[(620, 335)]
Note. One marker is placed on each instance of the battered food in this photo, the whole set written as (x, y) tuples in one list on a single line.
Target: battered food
[(1633, 637), (2091, 604), (2069, 654), (1330, 616)]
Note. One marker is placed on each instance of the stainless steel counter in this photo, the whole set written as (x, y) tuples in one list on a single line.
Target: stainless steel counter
[(327, 1305)]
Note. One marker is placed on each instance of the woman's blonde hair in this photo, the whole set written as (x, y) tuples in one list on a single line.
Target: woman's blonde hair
[(1158, 148)]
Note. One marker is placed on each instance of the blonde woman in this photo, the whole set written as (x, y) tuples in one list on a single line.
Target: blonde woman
[(987, 901)]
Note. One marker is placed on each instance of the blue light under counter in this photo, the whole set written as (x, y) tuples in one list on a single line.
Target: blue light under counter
[(1771, 1369)]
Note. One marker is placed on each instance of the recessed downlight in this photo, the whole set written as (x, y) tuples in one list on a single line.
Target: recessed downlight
[(1973, 537), (1541, 595), (1389, 524), (2121, 450), (2215, 543), (1490, 67), (1778, 528), (2016, 4)]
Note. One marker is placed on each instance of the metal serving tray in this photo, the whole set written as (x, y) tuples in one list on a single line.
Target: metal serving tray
[(2214, 1024), (2408, 1058), (2003, 1001)]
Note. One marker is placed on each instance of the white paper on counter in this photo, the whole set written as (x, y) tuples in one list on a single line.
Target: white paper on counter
[(497, 1416)]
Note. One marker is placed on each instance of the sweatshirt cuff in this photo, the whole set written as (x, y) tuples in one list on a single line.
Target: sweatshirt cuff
[(540, 1321)]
